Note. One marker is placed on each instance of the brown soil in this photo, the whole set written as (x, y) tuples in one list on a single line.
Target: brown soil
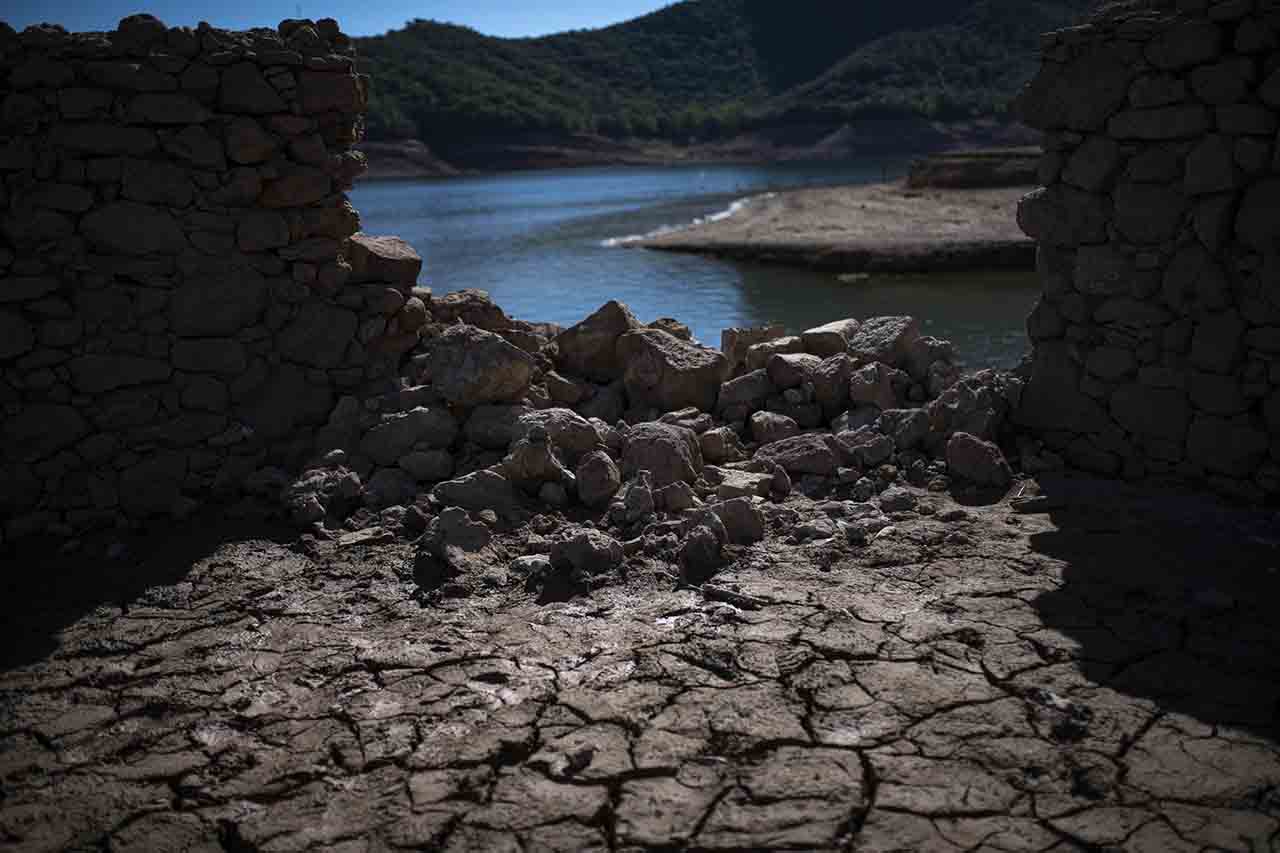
[(880, 227), (1095, 668)]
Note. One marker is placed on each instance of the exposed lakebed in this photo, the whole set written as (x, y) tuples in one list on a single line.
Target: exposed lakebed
[(545, 246)]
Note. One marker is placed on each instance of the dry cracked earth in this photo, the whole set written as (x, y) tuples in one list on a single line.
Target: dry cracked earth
[(1094, 668)]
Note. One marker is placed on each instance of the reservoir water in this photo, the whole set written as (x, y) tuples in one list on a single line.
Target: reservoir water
[(544, 245)]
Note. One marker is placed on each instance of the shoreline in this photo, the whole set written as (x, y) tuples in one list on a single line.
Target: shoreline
[(874, 228)]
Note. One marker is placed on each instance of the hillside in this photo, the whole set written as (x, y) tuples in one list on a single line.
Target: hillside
[(706, 70)]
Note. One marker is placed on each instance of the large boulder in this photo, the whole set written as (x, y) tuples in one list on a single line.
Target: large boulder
[(811, 453), (970, 458), (590, 348), (888, 340), (471, 367), (743, 521), (758, 355), (746, 393), (789, 370), (534, 461), (572, 434), (383, 259), (669, 453), (598, 479), (588, 551), (831, 339), (398, 434), (495, 427), (831, 384), (481, 490), (665, 372), (736, 341), (876, 385)]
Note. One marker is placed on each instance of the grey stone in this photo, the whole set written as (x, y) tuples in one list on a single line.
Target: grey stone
[(670, 453), (1258, 221), (1183, 121), (219, 304), (720, 445), (758, 355), (571, 433), (589, 349), (1211, 167), (1246, 119), (677, 497), (245, 90), (495, 427), (397, 434), (750, 390), (1052, 399), (875, 385), (94, 374), (1148, 213), (1111, 363), (1156, 412), (598, 479), (104, 139), (1223, 82), (534, 461), (1226, 446), (768, 427), (259, 230), (471, 367), (588, 551), (831, 383), (897, 499), (1157, 90), (166, 108), (389, 487), (321, 92), (831, 339), (318, 336), (790, 370), (481, 490), (1218, 342), (285, 400), (865, 447), (210, 355), (247, 142), (1063, 216), (700, 555), (971, 458), (1079, 94), (667, 373), (129, 228), (427, 466), (1185, 44), (1093, 165), (39, 430), (907, 427), (17, 336), (742, 519), (297, 187), (1103, 270), (735, 341), (811, 453), (383, 259)]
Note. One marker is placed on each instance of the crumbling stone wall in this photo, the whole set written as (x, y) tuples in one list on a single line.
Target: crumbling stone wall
[(1157, 340), (181, 296)]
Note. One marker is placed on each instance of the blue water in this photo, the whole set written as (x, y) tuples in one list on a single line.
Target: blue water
[(540, 244)]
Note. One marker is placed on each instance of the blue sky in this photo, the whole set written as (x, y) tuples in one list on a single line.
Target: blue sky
[(357, 17)]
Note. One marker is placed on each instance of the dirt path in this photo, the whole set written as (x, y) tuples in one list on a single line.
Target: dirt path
[(880, 227), (1095, 669)]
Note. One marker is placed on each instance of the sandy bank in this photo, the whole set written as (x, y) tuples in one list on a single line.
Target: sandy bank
[(873, 228)]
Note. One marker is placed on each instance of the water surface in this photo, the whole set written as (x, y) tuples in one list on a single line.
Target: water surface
[(544, 245)]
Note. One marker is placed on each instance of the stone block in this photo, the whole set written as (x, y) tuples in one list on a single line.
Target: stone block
[(1155, 412), (387, 260)]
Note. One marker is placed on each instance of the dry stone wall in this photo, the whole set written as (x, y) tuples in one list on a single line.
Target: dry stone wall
[(1157, 340), (181, 295)]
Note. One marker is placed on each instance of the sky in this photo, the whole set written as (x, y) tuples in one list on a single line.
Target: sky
[(510, 18)]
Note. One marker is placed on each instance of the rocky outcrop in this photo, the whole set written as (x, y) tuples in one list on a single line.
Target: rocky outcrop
[(1155, 341)]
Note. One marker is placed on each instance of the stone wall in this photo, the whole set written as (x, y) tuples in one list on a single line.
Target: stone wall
[(1157, 340), (181, 296)]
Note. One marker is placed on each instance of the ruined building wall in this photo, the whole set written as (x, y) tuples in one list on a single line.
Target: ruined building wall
[(180, 301), (1157, 340)]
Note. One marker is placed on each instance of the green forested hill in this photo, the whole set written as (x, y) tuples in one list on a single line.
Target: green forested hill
[(706, 68)]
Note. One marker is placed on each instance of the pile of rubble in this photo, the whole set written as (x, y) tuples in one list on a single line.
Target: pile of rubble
[(612, 436)]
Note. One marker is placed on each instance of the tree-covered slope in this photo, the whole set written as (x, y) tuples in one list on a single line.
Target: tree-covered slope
[(707, 67)]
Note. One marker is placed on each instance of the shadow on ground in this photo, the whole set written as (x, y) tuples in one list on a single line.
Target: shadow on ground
[(1170, 597), (44, 587)]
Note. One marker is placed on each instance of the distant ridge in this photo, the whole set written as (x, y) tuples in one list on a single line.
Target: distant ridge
[(703, 70)]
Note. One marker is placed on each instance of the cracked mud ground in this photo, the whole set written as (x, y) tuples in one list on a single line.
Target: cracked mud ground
[(1099, 672)]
